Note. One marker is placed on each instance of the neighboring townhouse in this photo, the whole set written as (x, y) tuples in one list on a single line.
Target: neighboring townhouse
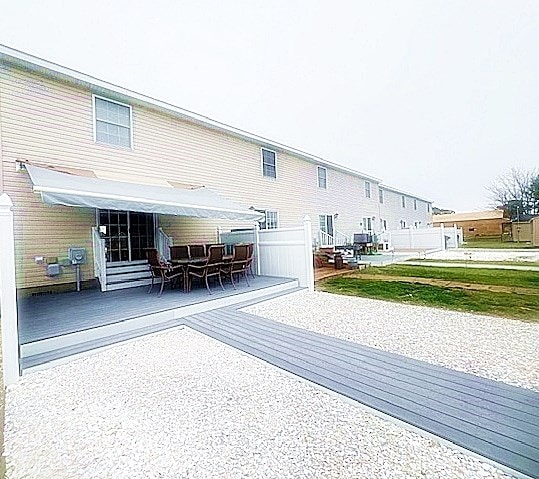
[(113, 162)]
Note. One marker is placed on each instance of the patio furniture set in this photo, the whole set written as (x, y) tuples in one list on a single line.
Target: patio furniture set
[(202, 262)]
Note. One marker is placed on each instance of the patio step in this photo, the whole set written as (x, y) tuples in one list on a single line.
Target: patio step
[(127, 275)]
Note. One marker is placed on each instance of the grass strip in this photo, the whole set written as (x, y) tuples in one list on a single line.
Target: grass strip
[(498, 277), (525, 307)]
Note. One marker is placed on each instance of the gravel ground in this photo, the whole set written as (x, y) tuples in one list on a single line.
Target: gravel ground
[(182, 405), (486, 255), (496, 348)]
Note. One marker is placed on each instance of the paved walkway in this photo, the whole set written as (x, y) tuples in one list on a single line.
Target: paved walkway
[(493, 419), (472, 265)]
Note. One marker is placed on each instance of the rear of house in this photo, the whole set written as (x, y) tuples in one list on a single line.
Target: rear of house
[(57, 121)]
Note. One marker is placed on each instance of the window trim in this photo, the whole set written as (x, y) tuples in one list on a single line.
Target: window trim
[(262, 162), (367, 189), (276, 215), (380, 196), (415, 204), (318, 168), (403, 201), (131, 144)]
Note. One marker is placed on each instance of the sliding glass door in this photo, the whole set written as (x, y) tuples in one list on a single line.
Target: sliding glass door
[(127, 234)]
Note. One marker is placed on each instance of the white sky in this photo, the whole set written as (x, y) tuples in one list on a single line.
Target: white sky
[(436, 97)]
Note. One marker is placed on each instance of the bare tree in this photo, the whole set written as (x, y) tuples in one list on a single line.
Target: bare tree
[(517, 192)]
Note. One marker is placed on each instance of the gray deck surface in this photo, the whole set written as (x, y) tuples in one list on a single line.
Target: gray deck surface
[(493, 419), (42, 317)]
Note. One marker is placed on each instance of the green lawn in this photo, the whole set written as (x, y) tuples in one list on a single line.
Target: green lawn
[(499, 277), (495, 243), (516, 306)]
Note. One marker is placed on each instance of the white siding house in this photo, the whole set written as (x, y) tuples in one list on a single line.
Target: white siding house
[(55, 118)]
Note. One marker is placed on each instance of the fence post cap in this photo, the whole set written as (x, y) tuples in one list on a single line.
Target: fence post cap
[(5, 200), (307, 218)]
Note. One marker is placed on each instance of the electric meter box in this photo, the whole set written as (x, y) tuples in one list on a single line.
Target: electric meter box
[(77, 255)]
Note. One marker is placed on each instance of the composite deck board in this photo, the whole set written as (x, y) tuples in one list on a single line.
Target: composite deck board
[(506, 430), (414, 385), (42, 317), (389, 359), (506, 436), (390, 364)]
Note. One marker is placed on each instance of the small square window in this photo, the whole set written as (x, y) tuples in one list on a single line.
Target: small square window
[(322, 177), (367, 189), (269, 167), (112, 123)]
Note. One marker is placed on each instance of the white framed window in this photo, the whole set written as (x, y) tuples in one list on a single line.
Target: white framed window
[(269, 163), (367, 189), (322, 177), (415, 204), (272, 219), (428, 207), (380, 195), (113, 122), (367, 224), (403, 201), (383, 224)]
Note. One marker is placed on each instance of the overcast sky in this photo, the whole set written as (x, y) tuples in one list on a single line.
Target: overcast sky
[(435, 97)]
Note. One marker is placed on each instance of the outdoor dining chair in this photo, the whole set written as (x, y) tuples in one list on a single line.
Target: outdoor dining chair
[(197, 250), (162, 270), (238, 265), (179, 252), (250, 257), (210, 268)]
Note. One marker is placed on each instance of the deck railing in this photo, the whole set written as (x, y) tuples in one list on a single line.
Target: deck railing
[(100, 259), (325, 239), (163, 243)]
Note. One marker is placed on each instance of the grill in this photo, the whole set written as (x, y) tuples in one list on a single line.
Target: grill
[(361, 242)]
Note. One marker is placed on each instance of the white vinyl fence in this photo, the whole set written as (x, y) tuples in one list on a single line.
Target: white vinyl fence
[(8, 295), (283, 252), (438, 238)]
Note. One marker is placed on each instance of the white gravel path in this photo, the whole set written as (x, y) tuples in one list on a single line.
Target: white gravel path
[(473, 254), (181, 405), (497, 348)]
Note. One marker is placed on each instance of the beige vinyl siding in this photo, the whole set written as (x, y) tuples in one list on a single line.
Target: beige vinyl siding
[(41, 230), (51, 122)]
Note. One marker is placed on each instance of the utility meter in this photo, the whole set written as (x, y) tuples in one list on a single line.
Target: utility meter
[(77, 255)]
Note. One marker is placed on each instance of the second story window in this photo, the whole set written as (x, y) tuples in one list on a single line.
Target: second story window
[(415, 204), (428, 207), (403, 201), (113, 123), (381, 195), (367, 189), (269, 167), (322, 177)]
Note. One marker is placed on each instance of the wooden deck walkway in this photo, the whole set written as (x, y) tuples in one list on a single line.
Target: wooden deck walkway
[(492, 419)]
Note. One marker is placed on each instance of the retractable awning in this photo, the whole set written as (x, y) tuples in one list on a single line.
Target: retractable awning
[(57, 188)]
